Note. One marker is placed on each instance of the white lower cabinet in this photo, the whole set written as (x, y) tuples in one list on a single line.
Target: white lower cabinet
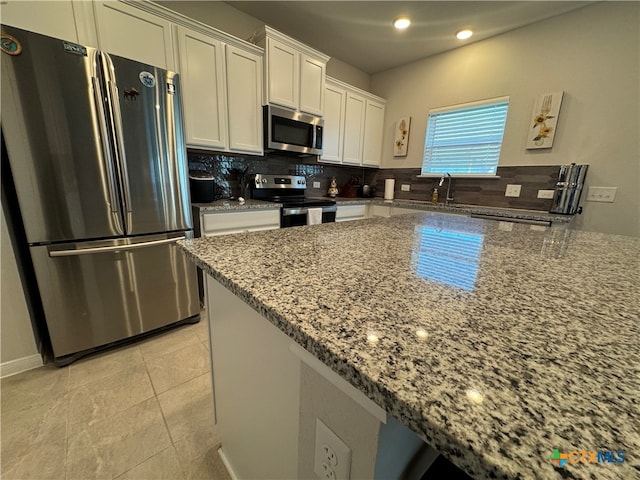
[(381, 211), (353, 125), (345, 213), (224, 223)]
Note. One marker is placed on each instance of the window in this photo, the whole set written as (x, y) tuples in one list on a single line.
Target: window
[(465, 139)]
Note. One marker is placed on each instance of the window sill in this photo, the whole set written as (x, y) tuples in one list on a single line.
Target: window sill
[(457, 175)]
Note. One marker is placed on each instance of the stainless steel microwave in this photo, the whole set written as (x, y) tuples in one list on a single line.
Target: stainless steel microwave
[(291, 131)]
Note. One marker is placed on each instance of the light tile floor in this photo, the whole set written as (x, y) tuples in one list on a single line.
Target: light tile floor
[(143, 411)]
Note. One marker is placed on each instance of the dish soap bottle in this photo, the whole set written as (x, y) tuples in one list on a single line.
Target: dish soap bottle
[(434, 196)]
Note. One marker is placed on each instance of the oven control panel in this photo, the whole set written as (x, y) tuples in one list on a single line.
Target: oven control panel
[(280, 181)]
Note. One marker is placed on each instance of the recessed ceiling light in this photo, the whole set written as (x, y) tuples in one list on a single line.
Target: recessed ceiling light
[(401, 23), (464, 34)]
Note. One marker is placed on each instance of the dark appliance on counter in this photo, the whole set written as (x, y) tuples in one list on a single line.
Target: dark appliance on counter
[(289, 190), (292, 132), (568, 189), (96, 151), (203, 187)]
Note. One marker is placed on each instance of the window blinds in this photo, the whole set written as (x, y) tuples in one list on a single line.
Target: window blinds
[(465, 139)]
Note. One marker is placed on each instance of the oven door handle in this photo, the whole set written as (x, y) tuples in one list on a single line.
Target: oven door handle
[(286, 211)]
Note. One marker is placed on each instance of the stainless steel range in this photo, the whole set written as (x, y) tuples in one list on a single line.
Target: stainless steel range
[(297, 209)]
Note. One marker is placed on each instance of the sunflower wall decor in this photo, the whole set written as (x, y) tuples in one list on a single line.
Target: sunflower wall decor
[(402, 137), (544, 121)]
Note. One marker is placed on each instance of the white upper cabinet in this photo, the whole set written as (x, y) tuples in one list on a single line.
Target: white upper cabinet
[(373, 133), (64, 19), (294, 73), (222, 92), (133, 33), (283, 80), (244, 98), (312, 81), (333, 135), (353, 129), (353, 125), (203, 89)]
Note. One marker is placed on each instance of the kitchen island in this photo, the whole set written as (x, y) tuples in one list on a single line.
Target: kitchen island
[(496, 346)]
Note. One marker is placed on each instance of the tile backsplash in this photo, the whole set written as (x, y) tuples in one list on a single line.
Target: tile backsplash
[(231, 171)]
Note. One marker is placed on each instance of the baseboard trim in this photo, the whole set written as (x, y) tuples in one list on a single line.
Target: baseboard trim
[(227, 465), (20, 365)]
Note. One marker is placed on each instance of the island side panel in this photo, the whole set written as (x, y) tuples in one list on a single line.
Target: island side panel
[(256, 388)]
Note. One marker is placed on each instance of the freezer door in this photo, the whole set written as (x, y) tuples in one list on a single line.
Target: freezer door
[(100, 292), (57, 142), (147, 122)]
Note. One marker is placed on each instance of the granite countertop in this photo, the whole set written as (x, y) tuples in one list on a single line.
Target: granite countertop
[(225, 205), (514, 213), (496, 346), (462, 209)]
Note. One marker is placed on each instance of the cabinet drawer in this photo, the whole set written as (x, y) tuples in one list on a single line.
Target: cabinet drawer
[(351, 212), (234, 222)]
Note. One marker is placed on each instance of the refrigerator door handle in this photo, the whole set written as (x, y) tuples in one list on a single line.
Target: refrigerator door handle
[(106, 148), (112, 248), (117, 120)]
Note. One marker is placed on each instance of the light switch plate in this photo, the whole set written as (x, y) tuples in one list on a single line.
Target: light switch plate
[(512, 190), (316, 184), (405, 187), (601, 194), (545, 193)]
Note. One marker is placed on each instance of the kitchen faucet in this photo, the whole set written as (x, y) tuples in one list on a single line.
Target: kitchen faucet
[(448, 176)]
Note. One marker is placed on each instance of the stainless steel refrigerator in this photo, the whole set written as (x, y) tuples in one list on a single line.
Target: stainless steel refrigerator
[(96, 152)]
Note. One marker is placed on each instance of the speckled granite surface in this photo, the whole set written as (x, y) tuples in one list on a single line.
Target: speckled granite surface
[(495, 346), (463, 209), (223, 205)]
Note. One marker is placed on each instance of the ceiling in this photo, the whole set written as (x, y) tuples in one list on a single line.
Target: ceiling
[(360, 33)]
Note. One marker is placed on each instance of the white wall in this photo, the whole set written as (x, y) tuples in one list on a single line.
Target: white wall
[(18, 348), (592, 54), (239, 24)]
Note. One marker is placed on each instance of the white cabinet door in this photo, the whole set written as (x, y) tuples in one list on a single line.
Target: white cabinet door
[(373, 130), (353, 129), (202, 79), (132, 33), (282, 74), (345, 213), (225, 223), (312, 75), (333, 134), (55, 19), (244, 94)]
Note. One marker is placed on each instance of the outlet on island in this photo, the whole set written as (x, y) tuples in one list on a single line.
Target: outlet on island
[(332, 459)]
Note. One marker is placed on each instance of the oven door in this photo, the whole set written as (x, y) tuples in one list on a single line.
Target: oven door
[(297, 216)]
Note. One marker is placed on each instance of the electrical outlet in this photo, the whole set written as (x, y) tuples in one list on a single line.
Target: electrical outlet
[(405, 187), (545, 193), (512, 190), (316, 184), (601, 194), (332, 459)]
